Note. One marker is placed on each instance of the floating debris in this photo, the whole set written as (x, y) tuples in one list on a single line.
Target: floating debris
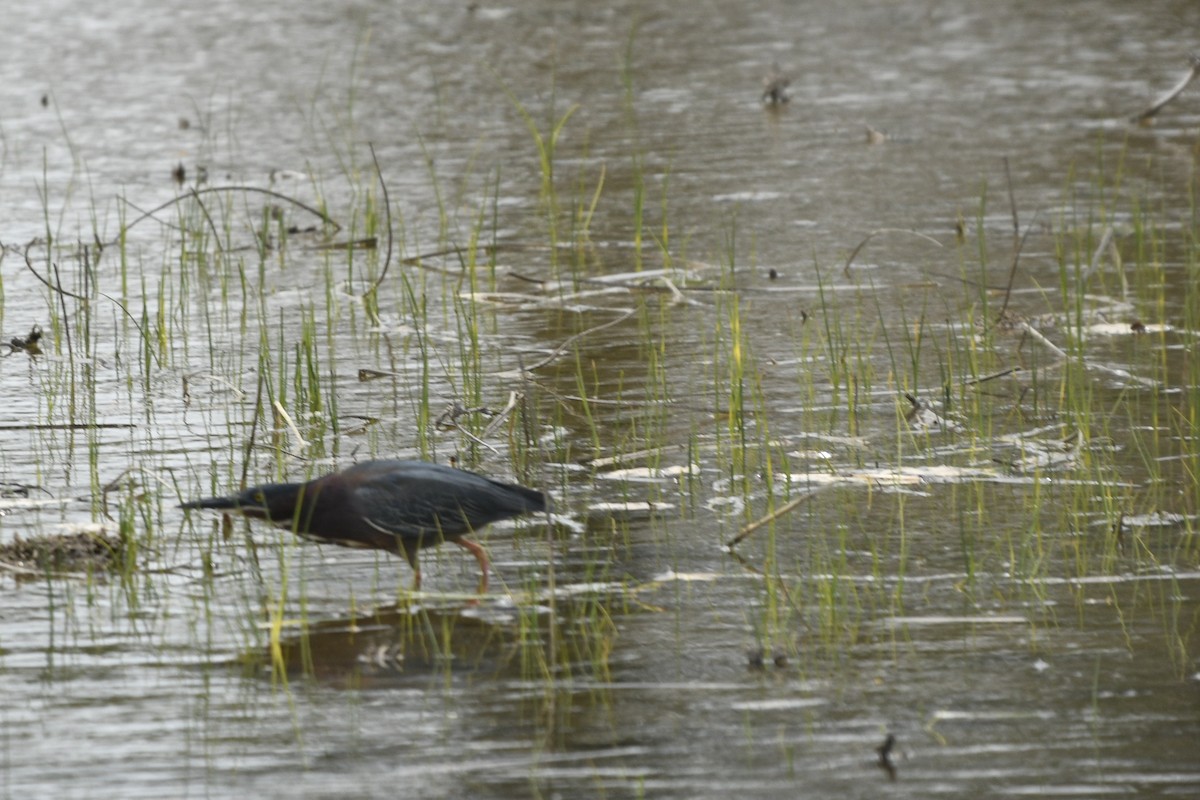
[(922, 417), (775, 87), (1126, 328), (876, 136), (10, 490), (635, 509), (898, 623), (685, 577), (1037, 454), (730, 505), (27, 344), (365, 375), (756, 658), (1154, 519), (646, 474)]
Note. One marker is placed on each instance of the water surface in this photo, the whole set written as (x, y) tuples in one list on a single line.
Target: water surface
[(949, 590)]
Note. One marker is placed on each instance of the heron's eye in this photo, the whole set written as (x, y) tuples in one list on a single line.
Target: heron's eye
[(260, 498)]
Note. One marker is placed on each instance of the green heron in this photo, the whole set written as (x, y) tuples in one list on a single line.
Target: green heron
[(398, 506)]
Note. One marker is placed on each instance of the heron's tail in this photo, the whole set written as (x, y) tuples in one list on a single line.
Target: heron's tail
[(517, 499)]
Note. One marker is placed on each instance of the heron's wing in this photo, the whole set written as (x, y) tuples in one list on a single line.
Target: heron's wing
[(419, 500)]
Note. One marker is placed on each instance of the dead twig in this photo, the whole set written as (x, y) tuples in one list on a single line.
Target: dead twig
[(301, 443), (387, 221), (502, 414), (1012, 272), (195, 193), (758, 523), (562, 348), (1018, 240), (1172, 93), (1012, 201), (992, 377), (1106, 245), (57, 289), (448, 420), (873, 234), (1116, 372)]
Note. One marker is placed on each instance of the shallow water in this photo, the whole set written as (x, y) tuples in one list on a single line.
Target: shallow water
[(949, 590)]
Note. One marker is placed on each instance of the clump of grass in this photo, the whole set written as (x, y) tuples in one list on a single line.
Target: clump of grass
[(83, 552)]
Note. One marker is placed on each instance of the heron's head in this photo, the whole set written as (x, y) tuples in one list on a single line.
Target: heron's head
[(275, 502), (288, 505)]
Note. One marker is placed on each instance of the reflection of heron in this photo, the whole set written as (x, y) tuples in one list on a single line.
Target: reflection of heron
[(399, 643), (398, 506)]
